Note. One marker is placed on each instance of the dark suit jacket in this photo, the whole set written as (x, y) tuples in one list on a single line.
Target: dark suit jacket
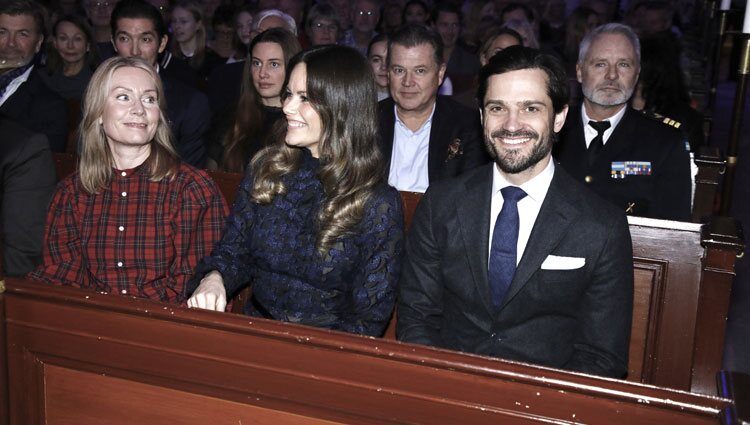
[(575, 319), (27, 172), (664, 194), (39, 109), (189, 119), (451, 122)]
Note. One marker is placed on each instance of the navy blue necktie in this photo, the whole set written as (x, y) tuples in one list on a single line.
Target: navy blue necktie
[(597, 143), (504, 245)]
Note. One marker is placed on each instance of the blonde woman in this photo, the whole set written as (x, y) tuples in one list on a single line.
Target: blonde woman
[(134, 220), (189, 33)]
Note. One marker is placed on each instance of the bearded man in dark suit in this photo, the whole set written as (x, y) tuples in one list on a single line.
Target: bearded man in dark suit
[(516, 259), (639, 164)]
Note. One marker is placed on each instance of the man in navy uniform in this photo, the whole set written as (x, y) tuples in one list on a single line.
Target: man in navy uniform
[(639, 164)]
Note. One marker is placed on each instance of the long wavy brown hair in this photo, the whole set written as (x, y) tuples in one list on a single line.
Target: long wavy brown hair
[(249, 116), (96, 161), (341, 89)]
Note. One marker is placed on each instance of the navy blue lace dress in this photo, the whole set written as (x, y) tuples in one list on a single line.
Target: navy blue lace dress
[(272, 247)]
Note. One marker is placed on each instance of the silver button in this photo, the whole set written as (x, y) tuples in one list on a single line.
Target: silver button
[(121, 228), (119, 264), (124, 194), (123, 174), (124, 291)]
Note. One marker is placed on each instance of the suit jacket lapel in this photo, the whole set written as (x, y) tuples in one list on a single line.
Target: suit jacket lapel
[(475, 230), (556, 214), (387, 121), (439, 133)]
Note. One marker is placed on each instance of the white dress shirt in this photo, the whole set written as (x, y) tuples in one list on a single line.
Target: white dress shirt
[(528, 207), (409, 156), (15, 84), (588, 131)]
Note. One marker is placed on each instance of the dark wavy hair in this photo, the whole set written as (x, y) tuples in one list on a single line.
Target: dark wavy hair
[(515, 58), (341, 89)]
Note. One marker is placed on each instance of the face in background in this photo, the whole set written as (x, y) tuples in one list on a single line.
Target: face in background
[(70, 42), (449, 27), (365, 16), (323, 31), (502, 41), (377, 58), (268, 72), (414, 77), (609, 71), (245, 27), (184, 25), (304, 126), (131, 112), (100, 11), (19, 39), (518, 121), (137, 37), (415, 14)]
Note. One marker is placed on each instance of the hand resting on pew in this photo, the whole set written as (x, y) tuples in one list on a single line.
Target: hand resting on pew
[(211, 294)]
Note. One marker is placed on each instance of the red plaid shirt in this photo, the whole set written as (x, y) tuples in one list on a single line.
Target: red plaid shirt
[(138, 237)]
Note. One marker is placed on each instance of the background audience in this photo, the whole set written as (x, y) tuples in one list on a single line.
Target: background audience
[(71, 57)]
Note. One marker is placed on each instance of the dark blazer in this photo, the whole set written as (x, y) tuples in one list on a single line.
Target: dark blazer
[(39, 109), (576, 319), (189, 119), (27, 172), (664, 194), (452, 122)]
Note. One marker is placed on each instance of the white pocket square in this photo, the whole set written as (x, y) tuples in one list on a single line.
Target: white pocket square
[(556, 262)]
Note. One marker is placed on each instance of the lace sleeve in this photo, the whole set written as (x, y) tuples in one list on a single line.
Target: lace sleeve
[(373, 290), (230, 256)]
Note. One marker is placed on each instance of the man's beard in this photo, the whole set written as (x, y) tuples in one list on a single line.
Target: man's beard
[(514, 161), (598, 98)]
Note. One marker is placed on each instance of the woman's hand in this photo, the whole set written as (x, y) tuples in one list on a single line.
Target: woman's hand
[(210, 294)]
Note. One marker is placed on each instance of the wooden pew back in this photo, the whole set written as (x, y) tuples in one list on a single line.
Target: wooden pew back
[(82, 357)]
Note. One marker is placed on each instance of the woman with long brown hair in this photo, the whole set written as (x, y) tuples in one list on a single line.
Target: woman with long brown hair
[(259, 105), (315, 228)]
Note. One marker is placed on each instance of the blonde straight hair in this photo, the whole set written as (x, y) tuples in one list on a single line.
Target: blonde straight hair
[(96, 160)]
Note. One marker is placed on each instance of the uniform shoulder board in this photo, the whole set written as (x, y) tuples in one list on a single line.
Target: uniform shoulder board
[(663, 119)]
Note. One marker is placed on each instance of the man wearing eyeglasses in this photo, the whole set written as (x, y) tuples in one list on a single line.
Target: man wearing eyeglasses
[(322, 25), (365, 15)]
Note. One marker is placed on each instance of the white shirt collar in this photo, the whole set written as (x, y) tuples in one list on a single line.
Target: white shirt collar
[(536, 188), (15, 84), (425, 123), (589, 132)]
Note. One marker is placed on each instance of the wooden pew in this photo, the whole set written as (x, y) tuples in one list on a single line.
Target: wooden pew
[(683, 279), (78, 357), (711, 168)]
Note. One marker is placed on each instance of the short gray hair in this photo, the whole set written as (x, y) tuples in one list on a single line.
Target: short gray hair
[(291, 26), (611, 28)]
